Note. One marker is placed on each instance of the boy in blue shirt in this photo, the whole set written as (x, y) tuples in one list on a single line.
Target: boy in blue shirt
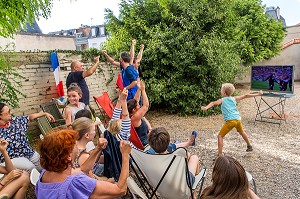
[(231, 114)]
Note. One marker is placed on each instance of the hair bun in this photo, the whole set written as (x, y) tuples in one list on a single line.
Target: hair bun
[(73, 85)]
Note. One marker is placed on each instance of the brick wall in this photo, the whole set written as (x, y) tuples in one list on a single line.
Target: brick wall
[(39, 84)]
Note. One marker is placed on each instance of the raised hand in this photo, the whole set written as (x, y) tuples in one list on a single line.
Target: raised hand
[(133, 42), (104, 52), (142, 87), (125, 147), (102, 143), (3, 144), (123, 95), (96, 59), (203, 108)]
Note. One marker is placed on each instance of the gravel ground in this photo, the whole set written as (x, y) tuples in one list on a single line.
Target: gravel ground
[(275, 161)]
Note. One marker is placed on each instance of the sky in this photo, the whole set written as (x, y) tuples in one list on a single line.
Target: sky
[(68, 14)]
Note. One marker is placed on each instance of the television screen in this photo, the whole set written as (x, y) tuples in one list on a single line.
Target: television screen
[(273, 78)]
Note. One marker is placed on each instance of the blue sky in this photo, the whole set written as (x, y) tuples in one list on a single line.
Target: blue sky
[(67, 14)]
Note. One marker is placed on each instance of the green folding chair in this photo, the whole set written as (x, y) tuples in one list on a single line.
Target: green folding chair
[(52, 108)]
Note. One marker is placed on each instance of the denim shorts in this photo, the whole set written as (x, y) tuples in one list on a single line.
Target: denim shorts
[(192, 178), (98, 169)]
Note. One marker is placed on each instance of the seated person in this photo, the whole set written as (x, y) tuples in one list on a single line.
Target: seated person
[(58, 152), (74, 95), (159, 141), (229, 180), (13, 129), (117, 125), (86, 113), (137, 113), (93, 166), (16, 181)]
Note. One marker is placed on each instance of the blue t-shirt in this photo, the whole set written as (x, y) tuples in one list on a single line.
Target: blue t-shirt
[(171, 148), (15, 135), (229, 109), (131, 76), (76, 77), (75, 186)]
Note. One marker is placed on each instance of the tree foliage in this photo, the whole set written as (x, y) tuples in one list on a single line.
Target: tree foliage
[(13, 16), (10, 79), (15, 13), (192, 47)]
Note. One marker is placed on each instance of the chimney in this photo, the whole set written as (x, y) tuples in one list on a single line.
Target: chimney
[(278, 12)]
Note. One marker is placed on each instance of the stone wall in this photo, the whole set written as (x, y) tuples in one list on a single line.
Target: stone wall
[(39, 83)]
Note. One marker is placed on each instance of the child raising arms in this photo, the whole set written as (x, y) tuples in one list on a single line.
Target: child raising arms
[(230, 113)]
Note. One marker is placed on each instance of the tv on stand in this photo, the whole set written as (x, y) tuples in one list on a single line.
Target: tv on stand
[(273, 78)]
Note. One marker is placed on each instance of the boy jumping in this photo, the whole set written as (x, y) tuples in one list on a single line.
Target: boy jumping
[(231, 114)]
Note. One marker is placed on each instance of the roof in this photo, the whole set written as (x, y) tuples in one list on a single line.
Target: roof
[(34, 28)]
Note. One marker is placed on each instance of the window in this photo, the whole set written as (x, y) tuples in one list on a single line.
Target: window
[(94, 32)]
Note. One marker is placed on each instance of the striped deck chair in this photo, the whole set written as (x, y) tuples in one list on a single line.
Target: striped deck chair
[(165, 174)]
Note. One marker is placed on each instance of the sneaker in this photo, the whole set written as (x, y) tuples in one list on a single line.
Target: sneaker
[(249, 148)]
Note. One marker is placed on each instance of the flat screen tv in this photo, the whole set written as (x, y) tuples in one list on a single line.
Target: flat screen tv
[(278, 78)]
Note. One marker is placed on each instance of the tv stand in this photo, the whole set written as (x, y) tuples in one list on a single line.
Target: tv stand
[(266, 102)]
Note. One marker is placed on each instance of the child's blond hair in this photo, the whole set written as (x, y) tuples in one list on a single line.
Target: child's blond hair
[(114, 126), (82, 126), (228, 89)]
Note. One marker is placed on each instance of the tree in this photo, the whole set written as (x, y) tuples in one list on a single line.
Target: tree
[(13, 15), (192, 47), (9, 77)]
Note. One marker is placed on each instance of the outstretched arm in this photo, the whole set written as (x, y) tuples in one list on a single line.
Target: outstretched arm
[(215, 103), (109, 190), (111, 60), (132, 51), (143, 110), (41, 114), (140, 55), (91, 70), (90, 161), (126, 122), (240, 97)]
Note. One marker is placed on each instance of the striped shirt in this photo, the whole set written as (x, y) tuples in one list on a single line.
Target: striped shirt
[(124, 134)]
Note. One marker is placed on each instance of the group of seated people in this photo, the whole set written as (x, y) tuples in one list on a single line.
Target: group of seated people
[(72, 166)]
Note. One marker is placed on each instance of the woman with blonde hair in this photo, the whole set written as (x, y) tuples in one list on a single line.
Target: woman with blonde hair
[(229, 181), (93, 166)]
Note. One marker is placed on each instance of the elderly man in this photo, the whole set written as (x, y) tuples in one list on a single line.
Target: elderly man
[(78, 74)]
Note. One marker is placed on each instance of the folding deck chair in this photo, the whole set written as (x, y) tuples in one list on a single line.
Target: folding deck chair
[(113, 164), (106, 108), (44, 125), (166, 174), (52, 108), (119, 82)]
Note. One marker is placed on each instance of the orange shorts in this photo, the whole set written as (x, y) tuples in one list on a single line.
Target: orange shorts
[(230, 124)]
